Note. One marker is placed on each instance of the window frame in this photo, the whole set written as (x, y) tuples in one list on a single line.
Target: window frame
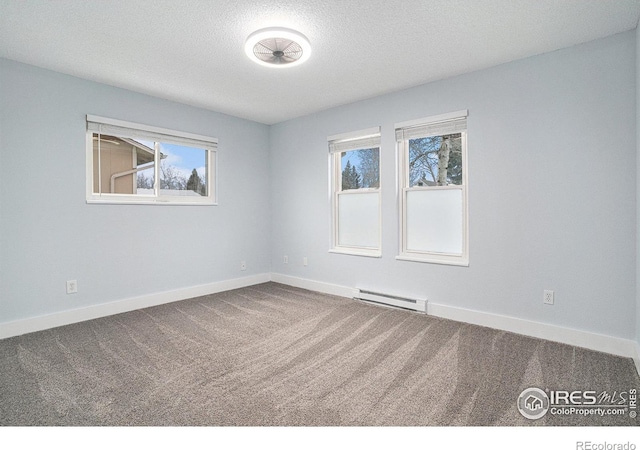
[(404, 188), (158, 135), (368, 138)]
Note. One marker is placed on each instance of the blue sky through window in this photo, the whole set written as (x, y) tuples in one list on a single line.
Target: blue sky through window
[(185, 159), (352, 157)]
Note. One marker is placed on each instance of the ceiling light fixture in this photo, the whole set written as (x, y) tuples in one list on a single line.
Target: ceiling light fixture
[(277, 47)]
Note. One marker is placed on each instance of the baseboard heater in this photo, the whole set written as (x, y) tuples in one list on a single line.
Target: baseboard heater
[(391, 300)]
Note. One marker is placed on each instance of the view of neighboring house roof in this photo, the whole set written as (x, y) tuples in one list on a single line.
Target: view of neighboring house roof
[(424, 182), (144, 156), (144, 153)]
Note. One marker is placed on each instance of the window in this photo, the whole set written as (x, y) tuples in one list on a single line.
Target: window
[(432, 166), (355, 192), (132, 163)]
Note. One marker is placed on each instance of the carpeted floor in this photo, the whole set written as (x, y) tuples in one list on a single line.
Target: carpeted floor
[(276, 355)]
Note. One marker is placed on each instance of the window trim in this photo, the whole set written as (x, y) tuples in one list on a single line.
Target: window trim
[(339, 143), (207, 143), (402, 153)]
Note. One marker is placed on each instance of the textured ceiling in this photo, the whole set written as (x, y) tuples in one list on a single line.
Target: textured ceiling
[(191, 51)]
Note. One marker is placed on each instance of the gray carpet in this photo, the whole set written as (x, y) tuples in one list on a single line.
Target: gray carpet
[(276, 355)]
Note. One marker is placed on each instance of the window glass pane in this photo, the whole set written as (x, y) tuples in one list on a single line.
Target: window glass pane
[(358, 223), (360, 169), (144, 185), (434, 220), (115, 163), (435, 160), (183, 170)]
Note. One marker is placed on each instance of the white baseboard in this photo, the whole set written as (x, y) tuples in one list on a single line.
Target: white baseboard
[(593, 341), (19, 327), (318, 286), (585, 339)]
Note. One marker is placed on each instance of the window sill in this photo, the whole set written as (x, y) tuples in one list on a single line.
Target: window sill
[(357, 252), (147, 201), (434, 260)]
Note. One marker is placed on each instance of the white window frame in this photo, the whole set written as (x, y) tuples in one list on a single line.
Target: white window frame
[(339, 143), (431, 126), (157, 134)]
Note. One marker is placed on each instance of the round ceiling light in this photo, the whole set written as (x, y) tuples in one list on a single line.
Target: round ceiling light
[(277, 47)]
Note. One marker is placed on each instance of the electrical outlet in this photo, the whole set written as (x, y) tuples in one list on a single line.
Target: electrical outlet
[(305, 261), (548, 298), (286, 259), (72, 286), (243, 265)]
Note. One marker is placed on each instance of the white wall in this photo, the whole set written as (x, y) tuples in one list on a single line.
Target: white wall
[(49, 234), (551, 190)]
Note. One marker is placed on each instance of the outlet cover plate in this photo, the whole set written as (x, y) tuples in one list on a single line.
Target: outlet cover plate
[(72, 286), (548, 297)]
